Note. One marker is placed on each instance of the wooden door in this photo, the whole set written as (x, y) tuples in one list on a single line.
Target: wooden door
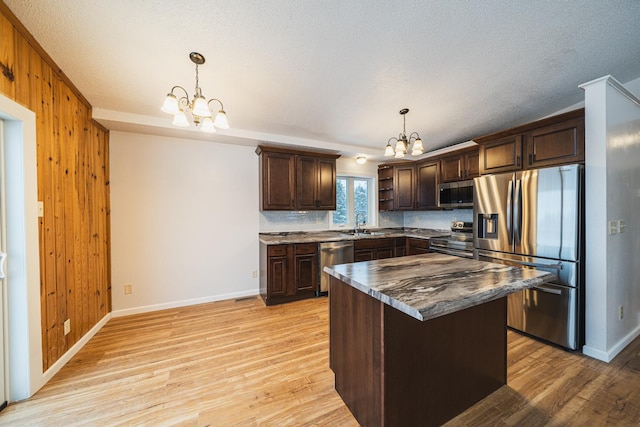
[(404, 187), (278, 174), (427, 185), (306, 182), (451, 168), (278, 270), (472, 164), (305, 268), (501, 155), (562, 143), (326, 199)]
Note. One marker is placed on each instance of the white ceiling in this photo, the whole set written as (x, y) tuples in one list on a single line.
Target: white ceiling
[(333, 74)]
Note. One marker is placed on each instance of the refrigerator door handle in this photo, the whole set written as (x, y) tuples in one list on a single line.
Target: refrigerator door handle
[(547, 290), (538, 265), (517, 213), (509, 208)]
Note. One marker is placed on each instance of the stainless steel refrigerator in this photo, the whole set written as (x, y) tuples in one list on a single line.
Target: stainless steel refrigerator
[(534, 219)]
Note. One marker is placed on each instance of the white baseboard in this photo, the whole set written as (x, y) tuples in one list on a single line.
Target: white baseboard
[(53, 369), (182, 303), (611, 353)]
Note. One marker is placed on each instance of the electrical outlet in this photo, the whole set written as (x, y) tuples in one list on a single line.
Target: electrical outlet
[(254, 274), (128, 289), (621, 312), (67, 326), (613, 227), (621, 226)]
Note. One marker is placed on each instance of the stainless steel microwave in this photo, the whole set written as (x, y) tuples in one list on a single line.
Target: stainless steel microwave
[(456, 194)]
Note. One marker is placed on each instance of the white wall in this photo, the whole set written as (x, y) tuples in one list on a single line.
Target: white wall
[(612, 193), (184, 221)]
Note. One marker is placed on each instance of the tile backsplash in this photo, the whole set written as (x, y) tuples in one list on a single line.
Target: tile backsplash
[(271, 221), (438, 220)]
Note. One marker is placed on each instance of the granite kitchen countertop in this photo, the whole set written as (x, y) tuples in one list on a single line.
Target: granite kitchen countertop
[(432, 285), (280, 238)]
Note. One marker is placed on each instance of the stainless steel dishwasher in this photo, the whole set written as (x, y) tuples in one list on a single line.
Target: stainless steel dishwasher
[(332, 253)]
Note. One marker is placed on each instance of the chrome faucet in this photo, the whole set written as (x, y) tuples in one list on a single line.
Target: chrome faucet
[(361, 215)]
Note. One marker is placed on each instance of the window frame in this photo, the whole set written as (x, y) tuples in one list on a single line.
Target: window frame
[(372, 196)]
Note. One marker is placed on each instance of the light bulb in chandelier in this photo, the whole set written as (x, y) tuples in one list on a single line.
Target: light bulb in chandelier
[(207, 125), (180, 119)]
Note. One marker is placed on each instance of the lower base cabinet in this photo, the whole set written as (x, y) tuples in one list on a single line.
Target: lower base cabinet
[(417, 246), (288, 272), (371, 249)]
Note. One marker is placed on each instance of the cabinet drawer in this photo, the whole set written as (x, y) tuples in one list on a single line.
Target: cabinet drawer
[(373, 243), (306, 248), (418, 243), (277, 250)]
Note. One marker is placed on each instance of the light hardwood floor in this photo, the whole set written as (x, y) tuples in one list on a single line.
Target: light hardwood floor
[(239, 363)]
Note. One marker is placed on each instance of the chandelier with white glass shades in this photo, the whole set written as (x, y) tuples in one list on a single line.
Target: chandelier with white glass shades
[(401, 143), (198, 107)]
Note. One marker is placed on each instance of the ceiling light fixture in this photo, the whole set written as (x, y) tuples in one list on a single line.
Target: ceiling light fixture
[(361, 160), (402, 142), (198, 107)]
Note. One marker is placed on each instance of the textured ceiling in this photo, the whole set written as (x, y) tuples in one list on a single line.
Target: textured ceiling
[(332, 73)]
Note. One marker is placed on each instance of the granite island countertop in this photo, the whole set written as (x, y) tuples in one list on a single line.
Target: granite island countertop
[(281, 238), (432, 285)]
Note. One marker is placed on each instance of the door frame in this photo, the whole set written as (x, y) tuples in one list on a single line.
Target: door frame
[(23, 261)]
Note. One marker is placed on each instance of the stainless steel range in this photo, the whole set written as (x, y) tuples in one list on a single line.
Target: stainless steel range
[(459, 243)]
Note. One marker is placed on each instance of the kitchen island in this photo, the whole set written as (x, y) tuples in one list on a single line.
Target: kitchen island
[(419, 339)]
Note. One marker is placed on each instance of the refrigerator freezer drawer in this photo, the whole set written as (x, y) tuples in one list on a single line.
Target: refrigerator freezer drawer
[(547, 312)]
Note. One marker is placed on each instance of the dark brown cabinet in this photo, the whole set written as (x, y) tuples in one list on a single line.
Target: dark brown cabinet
[(277, 174), (385, 188), (561, 143), (315, 183), (553, 141), (460, 166), (417, 246), (427, 174), (371, 249), (296, 180), (400, 246), (288, 272), (404, 187)]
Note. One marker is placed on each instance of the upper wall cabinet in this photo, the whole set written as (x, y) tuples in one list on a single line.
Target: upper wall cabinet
[(460, 166), (404, 187), (296, 180), (553, 141)]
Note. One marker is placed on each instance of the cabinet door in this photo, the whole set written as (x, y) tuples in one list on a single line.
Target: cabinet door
[(364, 255), (417, 246), (452, 168), (384, 253), (278, 270), (427, 185), (501, 155), (306, 273), (472, 164), (400, 244), (404, 188), (278, 174), (326, 185), (306, 182), (562, 143)]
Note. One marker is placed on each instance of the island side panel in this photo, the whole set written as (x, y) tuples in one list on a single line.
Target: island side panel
[(436, 369), (355, 350)]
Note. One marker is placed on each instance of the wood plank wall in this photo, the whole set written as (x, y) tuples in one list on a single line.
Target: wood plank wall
[(73, 183)]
